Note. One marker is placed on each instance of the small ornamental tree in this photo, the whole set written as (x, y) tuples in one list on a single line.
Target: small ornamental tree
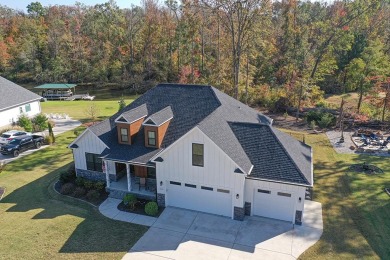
[(51, 134), (122, 104), (25, 122)]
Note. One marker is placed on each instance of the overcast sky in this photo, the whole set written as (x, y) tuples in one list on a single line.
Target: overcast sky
[(22, 4)]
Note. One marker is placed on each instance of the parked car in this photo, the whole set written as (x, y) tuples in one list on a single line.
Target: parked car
[(22, 143), (6, 137)]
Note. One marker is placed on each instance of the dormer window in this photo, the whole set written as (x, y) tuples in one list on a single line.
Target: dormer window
[(124, 135), (152, 138), (156, 126), (129, 123)]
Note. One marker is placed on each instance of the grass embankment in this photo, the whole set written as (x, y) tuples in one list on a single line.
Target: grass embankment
[(77, 109), (37, 223), (355, 209)]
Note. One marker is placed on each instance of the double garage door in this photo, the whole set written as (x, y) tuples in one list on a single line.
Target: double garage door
[(274, 204), (201, 198)]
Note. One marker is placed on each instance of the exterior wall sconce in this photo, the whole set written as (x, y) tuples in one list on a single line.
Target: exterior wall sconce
[(300, 199), (161, 183), (237, 196)]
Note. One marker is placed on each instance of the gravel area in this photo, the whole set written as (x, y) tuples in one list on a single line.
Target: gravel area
[(334, 138), (344, 148)]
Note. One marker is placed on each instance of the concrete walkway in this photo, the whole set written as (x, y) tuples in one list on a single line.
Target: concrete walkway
[(109, 208), (186, 234), (62, 125)]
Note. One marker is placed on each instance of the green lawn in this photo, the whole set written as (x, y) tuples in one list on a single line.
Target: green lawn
[(77, 109), (356, 211), (37, 223)]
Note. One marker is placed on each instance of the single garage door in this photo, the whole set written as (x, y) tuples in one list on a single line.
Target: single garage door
[(201, 198), (274, 204)]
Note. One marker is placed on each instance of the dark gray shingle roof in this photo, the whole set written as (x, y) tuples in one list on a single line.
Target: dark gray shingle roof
[(135, 113), (219, 116), (12, 94), (274, 155), (161, 116)]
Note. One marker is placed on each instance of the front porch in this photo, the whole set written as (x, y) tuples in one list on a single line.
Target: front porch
[(123, 178)]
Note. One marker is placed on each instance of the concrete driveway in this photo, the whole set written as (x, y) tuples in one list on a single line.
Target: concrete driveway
[(62, 125), (185, 234)]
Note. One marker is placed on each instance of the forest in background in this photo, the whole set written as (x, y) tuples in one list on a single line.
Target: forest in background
[(269, 53)]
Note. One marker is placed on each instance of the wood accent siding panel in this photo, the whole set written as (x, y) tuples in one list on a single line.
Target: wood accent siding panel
[(88, 143), (140, 171), (135, 127), (160, 133), (118, 130), (132, 129)]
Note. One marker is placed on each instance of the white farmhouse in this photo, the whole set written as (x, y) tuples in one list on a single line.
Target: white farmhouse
[(197, 148), (16, 100)]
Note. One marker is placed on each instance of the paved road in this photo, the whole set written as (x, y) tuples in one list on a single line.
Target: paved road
[(62, 125)]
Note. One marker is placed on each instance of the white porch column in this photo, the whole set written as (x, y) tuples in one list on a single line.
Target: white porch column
[(107, 174), (128, 177)]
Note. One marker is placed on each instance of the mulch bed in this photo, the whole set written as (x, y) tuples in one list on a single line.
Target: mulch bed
[(2, 191), (103, 195), (365, 168), (139, 208)]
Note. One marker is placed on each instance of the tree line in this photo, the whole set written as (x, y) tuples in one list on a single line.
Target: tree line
[(285, 52)]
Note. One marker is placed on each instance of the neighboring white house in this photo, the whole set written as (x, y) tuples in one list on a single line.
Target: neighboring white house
[(195, 147), (16, 100)]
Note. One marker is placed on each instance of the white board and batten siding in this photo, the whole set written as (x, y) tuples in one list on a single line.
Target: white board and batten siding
[(10, 115), (87, 143), (268, 199), (217, 173)]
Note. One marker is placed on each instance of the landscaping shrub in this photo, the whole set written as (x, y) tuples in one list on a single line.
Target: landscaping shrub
[(67, 177), (89, 184), (151, 208), (48, 139), (100, 185), (130, 200), (39, 123), (79, 192), (67, 188), (321, 118), (80, 181), (326, 120), (25, 122), (93, 195)]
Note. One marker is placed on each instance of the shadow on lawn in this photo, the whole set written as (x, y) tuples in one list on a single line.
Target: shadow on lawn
[(95, 233), (344, 213)]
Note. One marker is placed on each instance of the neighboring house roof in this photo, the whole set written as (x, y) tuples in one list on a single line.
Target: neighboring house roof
[(160, 117), (274, 154), (13, 95), (56, 86), (213, 112)]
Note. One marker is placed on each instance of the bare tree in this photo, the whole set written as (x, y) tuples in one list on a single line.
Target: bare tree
[(238, 18)]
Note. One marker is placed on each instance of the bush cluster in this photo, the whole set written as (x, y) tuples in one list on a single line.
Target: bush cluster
[(93, 195), (321, 118), (37, 124), (67, 188), (69, 175)]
